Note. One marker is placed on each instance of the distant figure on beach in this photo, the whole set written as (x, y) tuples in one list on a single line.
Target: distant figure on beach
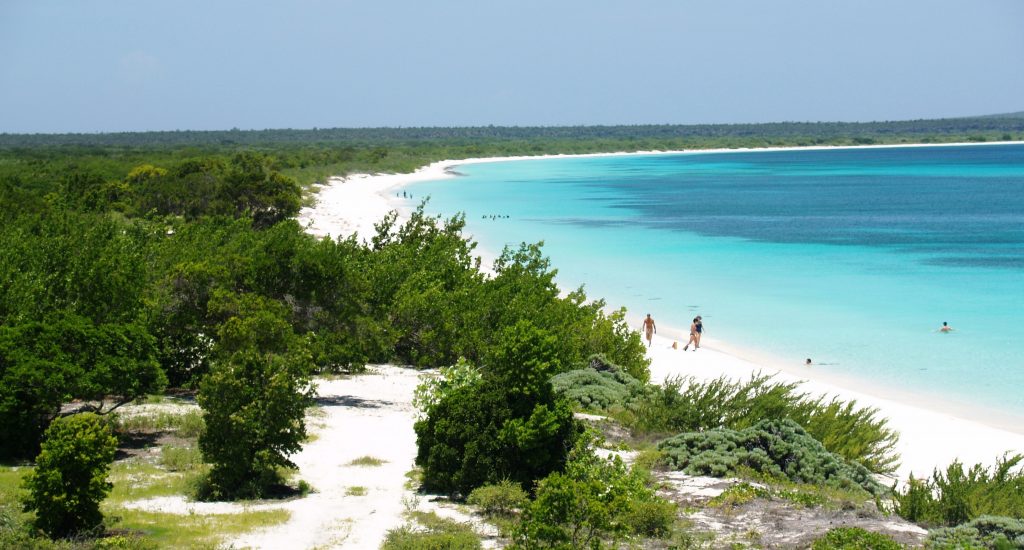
[(945, 327), (808, 362), (649, 328), (694, 335), (700, 331)]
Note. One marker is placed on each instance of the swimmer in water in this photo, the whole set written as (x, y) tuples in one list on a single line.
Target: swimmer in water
[(945, 327)]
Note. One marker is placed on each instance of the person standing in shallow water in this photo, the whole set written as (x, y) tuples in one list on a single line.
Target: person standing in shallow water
[(945, 327), (649, 329)]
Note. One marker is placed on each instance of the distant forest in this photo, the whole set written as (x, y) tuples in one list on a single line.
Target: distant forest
[(983, 128), (40, 161)]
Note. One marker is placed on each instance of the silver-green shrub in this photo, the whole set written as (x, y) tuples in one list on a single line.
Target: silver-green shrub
[(773, 448)]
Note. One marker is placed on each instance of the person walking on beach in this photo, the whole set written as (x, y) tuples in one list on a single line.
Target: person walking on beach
[(649, 328), (945, 327), (699, 322), (694, 335)]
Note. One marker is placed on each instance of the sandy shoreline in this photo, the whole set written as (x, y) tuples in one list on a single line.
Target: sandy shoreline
[(932, 433)]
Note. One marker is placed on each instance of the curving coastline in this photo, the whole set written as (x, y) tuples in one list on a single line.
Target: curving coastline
[(933, 433)]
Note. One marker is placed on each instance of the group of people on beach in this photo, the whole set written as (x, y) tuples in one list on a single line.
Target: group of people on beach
[(696, 330)]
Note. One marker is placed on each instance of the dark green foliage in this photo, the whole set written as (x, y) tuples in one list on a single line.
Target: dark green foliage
[(981, 532), (956, 496), (855, 538), (69, 480), (594, 503), (508, 425), (774, 448), (254, 408), (45, 364)]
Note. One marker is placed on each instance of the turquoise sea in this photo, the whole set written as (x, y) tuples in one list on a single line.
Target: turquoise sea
[(852, 257)]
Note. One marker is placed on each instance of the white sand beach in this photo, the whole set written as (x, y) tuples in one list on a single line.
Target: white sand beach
[(932, 433)]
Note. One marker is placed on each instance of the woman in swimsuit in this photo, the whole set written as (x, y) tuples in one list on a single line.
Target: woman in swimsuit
[(698, 324), (694, 336)]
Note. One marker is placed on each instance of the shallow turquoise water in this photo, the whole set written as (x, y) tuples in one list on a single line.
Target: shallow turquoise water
[(851, 257)]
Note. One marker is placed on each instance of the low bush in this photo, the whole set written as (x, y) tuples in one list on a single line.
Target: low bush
[(981, 532), (855, 538), (774, 448), (180, 459), (599, 386), (594, 502), (70, 478), (433, 533), (499, 499), (956, 496), (685, 405)]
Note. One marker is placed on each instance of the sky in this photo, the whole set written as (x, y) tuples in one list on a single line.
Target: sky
[(136, 65)]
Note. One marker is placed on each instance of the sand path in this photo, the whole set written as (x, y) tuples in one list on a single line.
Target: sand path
[(366, 415)]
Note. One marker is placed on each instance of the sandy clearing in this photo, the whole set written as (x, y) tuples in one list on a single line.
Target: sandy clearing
[(365, 415)]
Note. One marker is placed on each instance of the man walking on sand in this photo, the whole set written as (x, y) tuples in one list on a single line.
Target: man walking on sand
[(649, 329)]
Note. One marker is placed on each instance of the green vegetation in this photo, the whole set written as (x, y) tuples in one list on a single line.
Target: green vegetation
[(685, 405), (131, 262), (594, 503), (356, 491), (433, 533), (981, 532), (502, 499), (187, 424), (855, 538), (776, 448), (366, 461), (255, 417), (507, 426), (70, 478), (957, 496)]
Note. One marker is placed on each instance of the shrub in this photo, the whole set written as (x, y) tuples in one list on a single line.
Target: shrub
[(684, 405), (955, 496), (70, 478), (599, 386), (509, 425), (593, 502), (254, 406), (855, 538), (498, 499), (981, 532), (407, 538), (180, 459), (775, 448)]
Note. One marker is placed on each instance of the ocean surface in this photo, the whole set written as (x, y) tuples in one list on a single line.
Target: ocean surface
[(851, 257)]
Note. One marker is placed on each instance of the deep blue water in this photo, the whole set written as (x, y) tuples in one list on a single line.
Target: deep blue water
[(850, 256)]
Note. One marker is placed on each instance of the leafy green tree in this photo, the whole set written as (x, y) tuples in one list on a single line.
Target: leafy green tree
[(508, 425), (254, 408), (46, 364), (70, 477)]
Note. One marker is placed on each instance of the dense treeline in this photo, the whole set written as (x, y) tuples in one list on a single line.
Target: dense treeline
[(1011, 123)]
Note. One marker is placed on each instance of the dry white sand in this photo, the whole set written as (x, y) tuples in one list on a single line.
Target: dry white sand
[(931, 433), (364, 416)]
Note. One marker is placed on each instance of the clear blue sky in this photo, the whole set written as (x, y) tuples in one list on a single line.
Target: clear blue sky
[(124, 65)]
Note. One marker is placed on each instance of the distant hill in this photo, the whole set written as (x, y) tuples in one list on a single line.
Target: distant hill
[(981, 128), (1018, 114)]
